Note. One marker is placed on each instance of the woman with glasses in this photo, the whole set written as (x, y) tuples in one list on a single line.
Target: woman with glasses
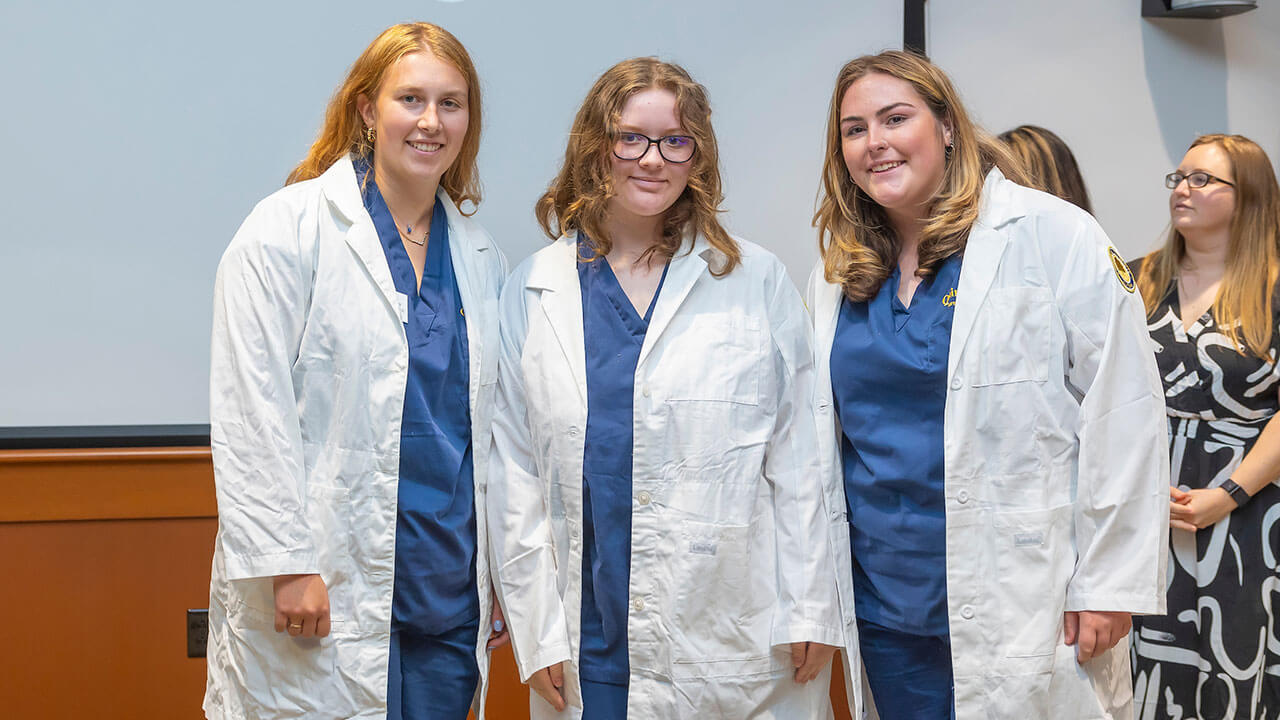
[(354, 354), (656, 513), (990, 417), (1213, 314)]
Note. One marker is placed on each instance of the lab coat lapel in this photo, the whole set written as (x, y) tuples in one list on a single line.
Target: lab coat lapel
[(982, 254), (466, 248), (341, 189), (826, 313), (683, 273), (561, 302)]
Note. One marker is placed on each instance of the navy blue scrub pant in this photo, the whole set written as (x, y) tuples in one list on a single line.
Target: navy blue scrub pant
[(432, 677), (603, 701), (910, 675)]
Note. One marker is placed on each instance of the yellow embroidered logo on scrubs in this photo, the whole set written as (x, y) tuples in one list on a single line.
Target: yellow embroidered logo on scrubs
[(949, 300), (1123, 273)]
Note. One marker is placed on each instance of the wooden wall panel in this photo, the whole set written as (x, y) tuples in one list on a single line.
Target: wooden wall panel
[(101, 554)]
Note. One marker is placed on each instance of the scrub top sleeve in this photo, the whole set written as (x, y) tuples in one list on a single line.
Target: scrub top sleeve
[(519, 524), (1121, 505), (808, 607), (261, 295)]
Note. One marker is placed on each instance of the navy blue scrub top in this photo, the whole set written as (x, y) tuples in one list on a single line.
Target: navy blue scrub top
[(889, 382), (435, 569), (615, 333)]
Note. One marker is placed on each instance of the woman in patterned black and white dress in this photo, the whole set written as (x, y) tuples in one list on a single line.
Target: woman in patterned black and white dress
[(1213, 312)]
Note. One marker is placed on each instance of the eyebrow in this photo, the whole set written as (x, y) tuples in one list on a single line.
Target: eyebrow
[(456, 91), (879, 113), (665, 133)]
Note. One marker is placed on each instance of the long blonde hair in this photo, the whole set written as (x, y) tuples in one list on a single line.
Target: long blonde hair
[(857, 242), (1049, 163), (1243, 305), (578, 197), (343, 131)]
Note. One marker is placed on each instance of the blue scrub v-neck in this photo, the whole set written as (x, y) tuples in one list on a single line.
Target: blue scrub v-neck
[(435, 575), (888, 379), (615, 333)]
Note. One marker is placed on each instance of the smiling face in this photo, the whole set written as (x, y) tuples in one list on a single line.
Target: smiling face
[(420, 116), (649, 186), (893, 145), (1201, 211)]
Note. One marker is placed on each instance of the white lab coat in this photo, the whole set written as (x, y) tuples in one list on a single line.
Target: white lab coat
[(308, 377), (1056, 460), (729, 555)]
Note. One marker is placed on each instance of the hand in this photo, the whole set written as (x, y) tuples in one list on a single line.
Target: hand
[(1094, 632), (1198, 509), (547, 683), (302, 605), (809, 658), (498, 635)]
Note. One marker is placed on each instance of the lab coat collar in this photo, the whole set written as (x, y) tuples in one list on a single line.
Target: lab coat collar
[(982, 254), (683, 272), (556, 275)]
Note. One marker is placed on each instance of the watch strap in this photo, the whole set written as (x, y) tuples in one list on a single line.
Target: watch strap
[(1236, 492)]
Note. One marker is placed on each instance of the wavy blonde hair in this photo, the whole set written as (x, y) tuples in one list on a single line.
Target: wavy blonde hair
[(1243, 306), (343, 131), (858, 244), (578, 197)]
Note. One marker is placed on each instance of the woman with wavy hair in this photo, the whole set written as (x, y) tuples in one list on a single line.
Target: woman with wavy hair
[(1213, 314), (656, 516), (354, 354), (989, 417), (1048, 163)]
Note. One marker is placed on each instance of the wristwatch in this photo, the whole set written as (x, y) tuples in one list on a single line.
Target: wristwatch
[(1236, 492)]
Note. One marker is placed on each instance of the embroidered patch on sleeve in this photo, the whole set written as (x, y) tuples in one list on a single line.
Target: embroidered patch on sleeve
[(1123, 273)]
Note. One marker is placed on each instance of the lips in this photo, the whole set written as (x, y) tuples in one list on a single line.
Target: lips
[(886, 166), (425, 146)]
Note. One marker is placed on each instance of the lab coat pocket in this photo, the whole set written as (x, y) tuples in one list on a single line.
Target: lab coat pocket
[(1033, 553), (1015, 336), (721, 621), (714, 356)]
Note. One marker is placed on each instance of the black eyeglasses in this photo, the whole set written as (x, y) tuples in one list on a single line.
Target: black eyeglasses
[(1197, 179), (673, 148)]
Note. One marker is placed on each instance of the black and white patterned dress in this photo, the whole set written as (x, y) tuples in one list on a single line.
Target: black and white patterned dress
[(1217, 653)]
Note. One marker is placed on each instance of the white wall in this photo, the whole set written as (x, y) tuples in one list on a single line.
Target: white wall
[(1128, 94), (139, 134)]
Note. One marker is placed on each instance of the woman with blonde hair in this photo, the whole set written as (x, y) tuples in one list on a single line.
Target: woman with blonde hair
[(354, 354), (1048, 163), (1213, 313), (657, 521), (990, 417)]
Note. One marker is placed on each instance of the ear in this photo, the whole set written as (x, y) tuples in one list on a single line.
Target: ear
[(365, 107), (946, 132)]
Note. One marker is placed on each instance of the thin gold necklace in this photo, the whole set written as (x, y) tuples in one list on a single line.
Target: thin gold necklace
[(405, 233)]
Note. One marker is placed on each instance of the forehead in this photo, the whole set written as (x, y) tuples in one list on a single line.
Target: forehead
[(423, 69), (654, 109), (1209, 157), (874, 91)]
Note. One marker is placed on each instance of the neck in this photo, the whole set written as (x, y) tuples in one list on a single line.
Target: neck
[(908, 228), (631, 236), (1205, 253), (410, 203)]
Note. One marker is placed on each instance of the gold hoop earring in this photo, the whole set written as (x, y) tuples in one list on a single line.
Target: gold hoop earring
[(370, 135)]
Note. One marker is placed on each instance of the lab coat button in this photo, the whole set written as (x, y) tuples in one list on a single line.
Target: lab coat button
[(962, 497), (956, 382), (638, 604), (966, 612), (574, 533), (573, 432), (643, 498), (644, 390)]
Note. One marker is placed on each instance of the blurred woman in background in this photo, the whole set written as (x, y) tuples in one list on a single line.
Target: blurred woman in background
[(1213, 314), (1048, 163)]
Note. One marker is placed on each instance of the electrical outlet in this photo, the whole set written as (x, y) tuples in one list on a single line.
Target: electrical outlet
[(197, 632)]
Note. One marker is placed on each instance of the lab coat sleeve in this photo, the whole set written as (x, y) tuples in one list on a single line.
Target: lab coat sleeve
[(808, 607), (261, 296), (1121, 502), (518, 509)]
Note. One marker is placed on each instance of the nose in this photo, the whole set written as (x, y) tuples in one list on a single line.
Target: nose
[(429, 121), (652, 157)]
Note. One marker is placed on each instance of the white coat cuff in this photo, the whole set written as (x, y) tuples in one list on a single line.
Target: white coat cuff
[(244, 567), (1135, 603), (544, 657), (808, 632)]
